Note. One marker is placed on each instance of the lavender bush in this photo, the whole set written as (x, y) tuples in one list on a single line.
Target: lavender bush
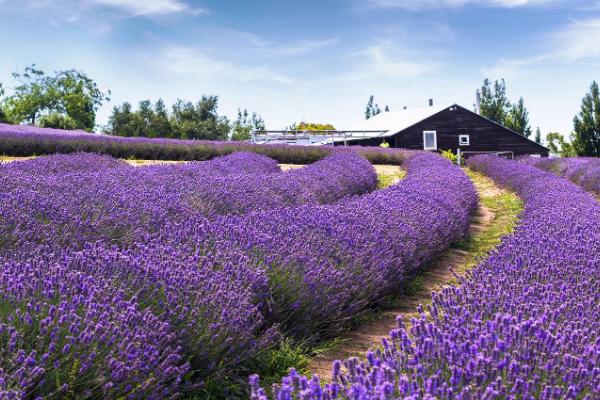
[(17, 140), (523, 324), (584, 171), (77, 205), (199, 299)]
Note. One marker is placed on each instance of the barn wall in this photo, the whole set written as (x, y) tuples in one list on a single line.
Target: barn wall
[(484, 135)]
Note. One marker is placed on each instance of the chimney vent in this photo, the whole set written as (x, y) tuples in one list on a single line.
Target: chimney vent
[(430, 102), (478, 102)]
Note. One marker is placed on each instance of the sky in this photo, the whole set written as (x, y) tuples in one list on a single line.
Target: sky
[(316, 61)]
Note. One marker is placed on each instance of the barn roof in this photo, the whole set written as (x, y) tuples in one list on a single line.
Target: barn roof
[(396, 121)]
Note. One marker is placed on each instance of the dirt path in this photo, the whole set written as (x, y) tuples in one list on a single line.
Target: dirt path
[(495, 217)]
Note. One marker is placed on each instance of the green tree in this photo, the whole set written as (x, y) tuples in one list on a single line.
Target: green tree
[(245, 124), (313, 126), (199, 121), (494, 104), (159, 121), (538, 135), (372, 108), (3, 116), (517, 119), (586, 135), (369, 108), (120, 122), (559, 146), (68, 98)]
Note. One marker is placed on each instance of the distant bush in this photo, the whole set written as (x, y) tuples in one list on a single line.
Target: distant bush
[(16, 140)]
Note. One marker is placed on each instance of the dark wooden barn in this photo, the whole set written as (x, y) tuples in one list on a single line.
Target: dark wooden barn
[(450, 128)]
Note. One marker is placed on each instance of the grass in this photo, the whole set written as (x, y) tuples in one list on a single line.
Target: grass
[(505, 207), (389, 178)]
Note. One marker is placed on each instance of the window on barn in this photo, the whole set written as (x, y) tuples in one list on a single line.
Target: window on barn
[(429, 140), (463, 140)]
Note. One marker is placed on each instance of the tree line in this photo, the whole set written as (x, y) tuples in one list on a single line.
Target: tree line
[(70, 100), (185, 120)]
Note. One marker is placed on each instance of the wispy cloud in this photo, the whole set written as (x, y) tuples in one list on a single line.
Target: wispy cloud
[(149, 7), (189, 62), (71, 10), (415, 5), (576, 42), (386, 59)]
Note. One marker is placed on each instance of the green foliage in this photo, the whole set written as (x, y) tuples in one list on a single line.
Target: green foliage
[(448, 154), (496, 106), (312, 126), (57, 121), (494, 103), (68, 98), (244, 124), (199, 121), (517, 119), (372, 109), (538, 135), (586, 135), (559, 146), (187, 120), (3, 116)]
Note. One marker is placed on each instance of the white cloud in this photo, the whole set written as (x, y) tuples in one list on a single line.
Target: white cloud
[(189, 62), (388, 60), (152, 7), (145, 7), (576, 42), (579, 40), (68, 10), (415, 5)]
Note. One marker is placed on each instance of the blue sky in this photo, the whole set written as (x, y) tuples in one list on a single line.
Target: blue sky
[(314, 60)]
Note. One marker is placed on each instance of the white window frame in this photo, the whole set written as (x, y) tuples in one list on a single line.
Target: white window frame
[(434, 140), (460, 140)]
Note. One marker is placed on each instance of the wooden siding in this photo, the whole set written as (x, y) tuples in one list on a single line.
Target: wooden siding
[(484, 135)]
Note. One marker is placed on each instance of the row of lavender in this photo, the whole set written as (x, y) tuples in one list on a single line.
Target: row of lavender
[(523, 324), (584, 171), (68, 200), (198, 299), (17, 140)]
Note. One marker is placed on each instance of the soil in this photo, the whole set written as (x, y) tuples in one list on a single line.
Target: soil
[(439, 274)]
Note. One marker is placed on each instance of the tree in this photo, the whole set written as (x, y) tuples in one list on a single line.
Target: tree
[(369, 108), (3, 116), (244, 124), (68, 98), (313, 126), (159, 122), (559, 146), (586, 135), (199, 121), (494, 104), (538, 135), (376, 110), (517, 119), (120, 122)]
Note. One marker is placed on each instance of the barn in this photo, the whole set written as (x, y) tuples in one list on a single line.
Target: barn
[(450, 128)]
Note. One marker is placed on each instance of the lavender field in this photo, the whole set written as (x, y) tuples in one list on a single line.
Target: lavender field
[(17, 140), (523, 324), (184, 280), (584, 171)]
